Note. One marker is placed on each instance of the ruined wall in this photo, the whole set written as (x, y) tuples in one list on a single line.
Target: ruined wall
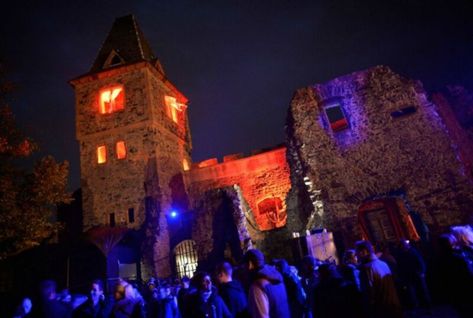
[(377, 154), (261, 176)]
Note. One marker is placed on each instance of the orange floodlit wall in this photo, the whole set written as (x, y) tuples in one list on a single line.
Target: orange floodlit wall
[(111, 100), (101, 154), (263, 179), (120, 150)]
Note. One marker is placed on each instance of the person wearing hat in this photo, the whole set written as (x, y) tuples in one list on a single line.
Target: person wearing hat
[(267, 296)]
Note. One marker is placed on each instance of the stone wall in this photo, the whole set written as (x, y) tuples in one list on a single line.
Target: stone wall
[(378, 154), (261, 176)]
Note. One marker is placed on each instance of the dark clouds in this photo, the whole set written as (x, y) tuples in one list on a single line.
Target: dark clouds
[(238, 62)]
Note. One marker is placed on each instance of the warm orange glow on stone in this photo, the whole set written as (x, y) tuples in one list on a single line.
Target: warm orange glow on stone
[(101, 154), (112, 100), (185, 165), (121, 150), (172, 106)]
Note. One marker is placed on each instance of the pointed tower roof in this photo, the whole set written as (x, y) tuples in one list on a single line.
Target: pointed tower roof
[(125, 44)]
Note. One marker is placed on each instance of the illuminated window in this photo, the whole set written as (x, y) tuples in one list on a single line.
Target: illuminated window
[(112, 100), (121, 150), (101, 154), (185, 165), (186, 258), (336, 117), (270, 206), (172, 107)]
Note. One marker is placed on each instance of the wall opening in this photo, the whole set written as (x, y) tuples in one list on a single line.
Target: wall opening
[(186, 258)]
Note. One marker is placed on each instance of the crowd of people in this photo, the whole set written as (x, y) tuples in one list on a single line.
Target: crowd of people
[(380, 281)]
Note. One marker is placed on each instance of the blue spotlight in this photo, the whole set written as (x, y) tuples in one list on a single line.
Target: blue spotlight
[(173, 214)]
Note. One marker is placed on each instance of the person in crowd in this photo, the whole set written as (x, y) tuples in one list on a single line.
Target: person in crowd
[(183, 295), (377, 284), (96, 306), (167, 303), (349, 268), (295, 293), (128, 303), (456, 276), (50, 306), (231, 291), (464, 241), (267, 295), (412, 270), (24, 309), (335, 297), (205, 302)]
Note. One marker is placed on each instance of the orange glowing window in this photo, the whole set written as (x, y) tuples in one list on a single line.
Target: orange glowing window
[(112, 100), (172, 107), (270, 205), (121, 150), (101, 154), (185, 165)]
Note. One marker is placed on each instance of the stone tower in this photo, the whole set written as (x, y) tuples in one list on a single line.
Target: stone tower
[(132, 127)]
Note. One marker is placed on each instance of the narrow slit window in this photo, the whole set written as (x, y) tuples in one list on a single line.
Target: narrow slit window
[(112, 219), (131, 215), (121, 150), (336, 117), (111, 100), (404, 112), (101, 154)]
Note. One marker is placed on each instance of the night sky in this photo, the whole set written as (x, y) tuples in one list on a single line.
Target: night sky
[(238, 62)]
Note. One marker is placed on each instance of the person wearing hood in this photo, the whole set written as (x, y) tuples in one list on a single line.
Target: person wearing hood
[(267, 296), (205, 302), (231, 291)]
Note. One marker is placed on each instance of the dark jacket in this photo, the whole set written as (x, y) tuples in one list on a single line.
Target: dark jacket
[(127, 308), (88, 310), (235, 298), (214, 307), (266, 281)]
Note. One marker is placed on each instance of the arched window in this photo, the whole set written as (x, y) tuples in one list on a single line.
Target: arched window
[(186, 258)]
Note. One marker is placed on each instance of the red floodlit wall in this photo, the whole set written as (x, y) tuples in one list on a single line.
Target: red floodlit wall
[(263, 179)]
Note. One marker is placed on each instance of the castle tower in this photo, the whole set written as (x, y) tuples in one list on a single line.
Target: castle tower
[(132, 127)]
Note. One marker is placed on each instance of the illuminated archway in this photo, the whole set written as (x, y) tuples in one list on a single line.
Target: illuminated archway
[(186, 258)]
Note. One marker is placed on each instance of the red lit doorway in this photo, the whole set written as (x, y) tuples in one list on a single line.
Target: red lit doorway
[(386, 220)]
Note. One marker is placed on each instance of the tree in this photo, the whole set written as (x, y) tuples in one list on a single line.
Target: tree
[(28, 198)]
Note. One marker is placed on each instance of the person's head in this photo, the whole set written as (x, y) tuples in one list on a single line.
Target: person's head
[(308, 266), (446, 243), (48, 289), (224, 272), (123, 290), (185, 282), (463, 235), (349, 257), (327, 271), (164, 291), (96, 290), (282, 266), (364, 250), (254, 259), (24, 308), (203, 282)]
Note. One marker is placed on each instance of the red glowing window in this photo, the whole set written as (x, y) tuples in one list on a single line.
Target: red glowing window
[(172, 107), (111, 100), (270, 206), (121, 150), (185, 165), (336, 117), (101, 154)]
